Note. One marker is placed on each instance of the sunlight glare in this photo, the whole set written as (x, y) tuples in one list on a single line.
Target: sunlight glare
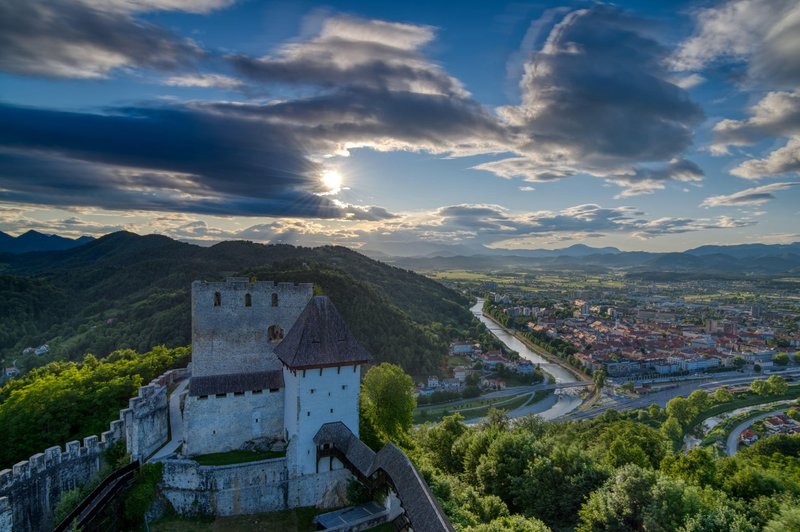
[(332, 180)]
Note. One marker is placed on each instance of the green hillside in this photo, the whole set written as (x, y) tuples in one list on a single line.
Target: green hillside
[(130, 291)]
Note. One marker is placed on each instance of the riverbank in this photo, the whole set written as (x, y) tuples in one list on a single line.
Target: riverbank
[(541, 352)]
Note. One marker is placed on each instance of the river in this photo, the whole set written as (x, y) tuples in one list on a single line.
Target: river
[(565, 403)]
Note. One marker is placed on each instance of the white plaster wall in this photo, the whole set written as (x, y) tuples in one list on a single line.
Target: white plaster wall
[(220, 424), (321, 396)]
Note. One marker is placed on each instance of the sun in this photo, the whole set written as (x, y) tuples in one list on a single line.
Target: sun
[(332, 180)]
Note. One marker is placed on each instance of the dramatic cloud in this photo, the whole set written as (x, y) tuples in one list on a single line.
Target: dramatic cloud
[(182, 159), (776, 115), (597, 99), (763, 36), (781, 161), (372, 87), (750, 196), (354, 52), (89, 39)]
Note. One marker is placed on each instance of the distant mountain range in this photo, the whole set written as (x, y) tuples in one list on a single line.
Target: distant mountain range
[(735, 259), (36, 241)]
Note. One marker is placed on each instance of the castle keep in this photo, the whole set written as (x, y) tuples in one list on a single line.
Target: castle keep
[(273, 368)]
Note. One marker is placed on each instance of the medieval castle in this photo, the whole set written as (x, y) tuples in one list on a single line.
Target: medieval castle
[(273, 367)]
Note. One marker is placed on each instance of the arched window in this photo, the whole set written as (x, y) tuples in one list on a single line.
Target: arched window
[(248, 300), (274, 333), (274, 300), (217, 299)]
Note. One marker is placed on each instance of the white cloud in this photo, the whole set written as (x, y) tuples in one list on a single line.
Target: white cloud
[(204, 80), (750, 196)]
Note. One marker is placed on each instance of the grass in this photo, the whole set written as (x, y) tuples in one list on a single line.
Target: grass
[(742, 400), (295, 520), (298, 519), (235, 457), (478, 409)]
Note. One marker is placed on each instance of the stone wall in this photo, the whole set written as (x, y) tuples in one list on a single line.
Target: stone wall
[(218, 424), (228, 336), (33, 487), (6, 516), (249, 488)]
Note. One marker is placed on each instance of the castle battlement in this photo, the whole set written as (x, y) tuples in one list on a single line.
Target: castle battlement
[(32, 487)]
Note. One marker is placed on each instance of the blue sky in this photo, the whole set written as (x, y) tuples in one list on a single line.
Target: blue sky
[(403, 127)]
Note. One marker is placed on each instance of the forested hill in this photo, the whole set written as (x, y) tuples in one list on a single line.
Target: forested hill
[(131, 291)]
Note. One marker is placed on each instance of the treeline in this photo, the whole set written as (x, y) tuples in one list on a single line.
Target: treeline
[(618, 472), (66, 401), (129, 291)]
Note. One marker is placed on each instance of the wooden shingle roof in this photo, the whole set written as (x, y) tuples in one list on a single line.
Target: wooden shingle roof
[(236, 383), (420, 505), (320, 338)]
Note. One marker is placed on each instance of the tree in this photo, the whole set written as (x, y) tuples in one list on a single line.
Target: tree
[(757, 368), (739, 362), (599, 378), (672, 429), (439, 439), (619, 505), (699, 400), (681, 409), (388, 402), (782, 359), (760, 387), (722, 395), (777, 385)]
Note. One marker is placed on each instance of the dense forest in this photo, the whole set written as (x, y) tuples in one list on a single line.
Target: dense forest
[(65, 401), (130, 291), (617, 472)]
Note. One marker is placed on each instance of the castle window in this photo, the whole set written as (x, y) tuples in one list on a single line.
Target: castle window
[(217, 299), (275, 333), (308, 414), (248, 300), (344, 386), (331, 410), (313, 390), (274, 300)]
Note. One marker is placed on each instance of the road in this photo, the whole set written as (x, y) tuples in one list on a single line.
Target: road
[(175, 424), (733, 438), (559, 406)]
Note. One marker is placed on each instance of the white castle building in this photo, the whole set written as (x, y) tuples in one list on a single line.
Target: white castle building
[(269, 362)]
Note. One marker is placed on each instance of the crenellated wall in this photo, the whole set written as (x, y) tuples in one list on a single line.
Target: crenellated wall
[(231, 323), (32, 488)]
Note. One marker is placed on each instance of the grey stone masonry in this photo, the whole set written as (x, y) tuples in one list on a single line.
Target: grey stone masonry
[(30, 490), (236, 324)]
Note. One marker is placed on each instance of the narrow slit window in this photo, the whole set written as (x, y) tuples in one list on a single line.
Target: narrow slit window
[(274, 300), (217, 299), (248, 300)]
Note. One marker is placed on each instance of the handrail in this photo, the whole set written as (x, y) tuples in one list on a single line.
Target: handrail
[(97, 493)]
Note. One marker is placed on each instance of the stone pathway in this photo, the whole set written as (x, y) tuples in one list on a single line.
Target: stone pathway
[(175, 424)]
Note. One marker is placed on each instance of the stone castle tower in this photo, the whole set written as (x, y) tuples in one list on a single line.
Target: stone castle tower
[(270, 362)]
